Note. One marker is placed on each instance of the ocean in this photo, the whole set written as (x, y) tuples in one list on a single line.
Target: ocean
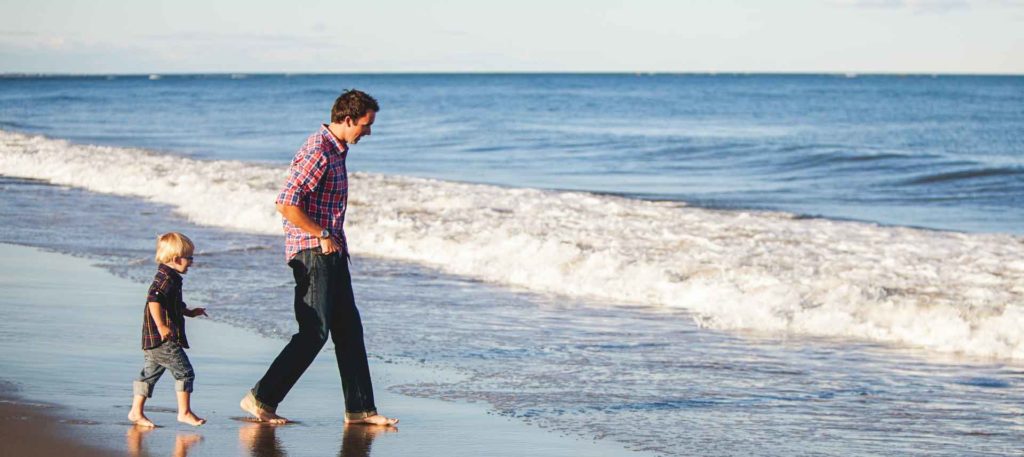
[(711, 264)]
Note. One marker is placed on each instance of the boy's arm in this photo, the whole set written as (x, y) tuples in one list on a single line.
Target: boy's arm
[(156, 312), (192, 312)]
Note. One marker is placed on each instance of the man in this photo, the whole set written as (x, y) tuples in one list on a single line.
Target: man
[(313, 204)]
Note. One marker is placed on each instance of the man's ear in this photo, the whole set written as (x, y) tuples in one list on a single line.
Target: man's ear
[(348, 121)]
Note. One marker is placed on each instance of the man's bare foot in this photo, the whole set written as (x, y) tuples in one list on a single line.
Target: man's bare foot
[(140, 419), (190, 418), (249, 405), (373, 420)]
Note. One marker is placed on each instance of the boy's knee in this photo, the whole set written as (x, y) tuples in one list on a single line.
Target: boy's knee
[(185, 375)]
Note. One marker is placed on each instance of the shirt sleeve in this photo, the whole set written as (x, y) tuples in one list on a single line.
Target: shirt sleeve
[(159, 289), (303, 176)]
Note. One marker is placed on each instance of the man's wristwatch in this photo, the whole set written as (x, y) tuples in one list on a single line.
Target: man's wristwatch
[(324, 234)]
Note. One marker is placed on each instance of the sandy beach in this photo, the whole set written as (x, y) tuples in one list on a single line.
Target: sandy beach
[(32, 429), (69, 348)]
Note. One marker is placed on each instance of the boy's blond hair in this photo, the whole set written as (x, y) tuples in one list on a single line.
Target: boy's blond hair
[(171, 245)]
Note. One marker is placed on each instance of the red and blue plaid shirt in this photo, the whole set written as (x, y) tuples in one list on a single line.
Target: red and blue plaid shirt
[(317, 183), (166, 290)]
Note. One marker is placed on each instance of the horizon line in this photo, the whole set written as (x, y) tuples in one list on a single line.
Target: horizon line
[(496, 73)]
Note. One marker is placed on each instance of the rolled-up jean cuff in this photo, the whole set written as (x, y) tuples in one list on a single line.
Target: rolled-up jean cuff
[(141, 388), (360, 415), (183, 386), (259, 403)]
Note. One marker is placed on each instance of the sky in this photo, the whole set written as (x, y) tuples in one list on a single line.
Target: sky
[(300, 36)]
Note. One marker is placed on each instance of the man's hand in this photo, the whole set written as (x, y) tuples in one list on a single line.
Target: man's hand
[(328, 246), (197, 312), (165, 332)]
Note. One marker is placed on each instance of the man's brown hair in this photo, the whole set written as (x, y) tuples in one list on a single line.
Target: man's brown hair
[(353, 103)]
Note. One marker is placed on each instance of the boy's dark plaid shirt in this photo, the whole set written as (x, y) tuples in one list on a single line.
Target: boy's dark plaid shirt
[(166, 290)]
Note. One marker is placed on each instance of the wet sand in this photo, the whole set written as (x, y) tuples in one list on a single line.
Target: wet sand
[(33, 429), (70, 337)]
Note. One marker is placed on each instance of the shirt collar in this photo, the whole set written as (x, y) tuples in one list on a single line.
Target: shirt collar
[(339, 147), (170, 271)]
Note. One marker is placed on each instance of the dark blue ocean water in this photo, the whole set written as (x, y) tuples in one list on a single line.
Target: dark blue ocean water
[(943, 152)]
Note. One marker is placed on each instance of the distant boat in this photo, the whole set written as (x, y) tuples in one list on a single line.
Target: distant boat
[(154, 77), (239, 76), (850, 75)]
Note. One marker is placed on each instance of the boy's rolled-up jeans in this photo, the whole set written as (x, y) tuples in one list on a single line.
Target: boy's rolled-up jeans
[(324, 306), (167, 356)]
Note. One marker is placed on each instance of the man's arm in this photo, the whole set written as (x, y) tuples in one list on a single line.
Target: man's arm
[(297, 216), (156, 312)]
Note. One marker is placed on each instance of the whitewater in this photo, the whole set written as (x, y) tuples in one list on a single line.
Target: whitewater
[(738, 271)]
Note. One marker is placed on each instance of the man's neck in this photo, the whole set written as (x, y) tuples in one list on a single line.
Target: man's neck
[(336, 132)]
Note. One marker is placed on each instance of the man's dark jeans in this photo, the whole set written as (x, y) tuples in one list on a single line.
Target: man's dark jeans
[(324, 305)]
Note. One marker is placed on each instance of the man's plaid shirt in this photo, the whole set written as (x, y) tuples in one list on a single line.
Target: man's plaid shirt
[(317, 183), (166, 290)]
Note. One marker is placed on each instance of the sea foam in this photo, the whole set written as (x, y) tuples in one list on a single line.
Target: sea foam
[(734, 270)]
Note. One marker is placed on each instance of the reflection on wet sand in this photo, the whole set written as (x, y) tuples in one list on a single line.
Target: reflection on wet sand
[(134, 440), (357, 439), (261, 439), (137, 448)]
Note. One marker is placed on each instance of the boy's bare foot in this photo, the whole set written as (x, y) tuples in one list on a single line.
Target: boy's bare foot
[(140, 419), (190, 418), (373, 420), (249, 405)]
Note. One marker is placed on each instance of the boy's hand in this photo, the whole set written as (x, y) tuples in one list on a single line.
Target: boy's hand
[(165, 332), (197, 312)]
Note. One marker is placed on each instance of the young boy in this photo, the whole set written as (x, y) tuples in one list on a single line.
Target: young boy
[(163, 331)]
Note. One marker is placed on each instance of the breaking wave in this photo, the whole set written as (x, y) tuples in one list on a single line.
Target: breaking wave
[(734, 270)]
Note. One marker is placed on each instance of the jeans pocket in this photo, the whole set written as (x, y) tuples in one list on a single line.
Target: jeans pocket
[(320, 254)]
